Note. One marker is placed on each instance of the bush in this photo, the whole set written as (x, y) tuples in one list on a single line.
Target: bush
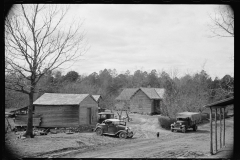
[(165, 122)]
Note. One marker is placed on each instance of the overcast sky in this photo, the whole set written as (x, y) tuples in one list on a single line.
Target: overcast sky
[(146, 37)]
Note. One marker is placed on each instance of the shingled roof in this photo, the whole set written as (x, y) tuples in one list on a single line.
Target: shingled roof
[(127, 93), (60, 99), (152, 93)]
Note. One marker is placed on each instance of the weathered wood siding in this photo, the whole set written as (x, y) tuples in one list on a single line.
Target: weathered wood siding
[(141, 103), (58, 116), (83, 115), (21, 120)]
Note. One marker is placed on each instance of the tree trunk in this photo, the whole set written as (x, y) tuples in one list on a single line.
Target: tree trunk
[(29, 131), (127, 116)]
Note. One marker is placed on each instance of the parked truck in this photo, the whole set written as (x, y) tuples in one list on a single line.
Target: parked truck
[(186, 120)]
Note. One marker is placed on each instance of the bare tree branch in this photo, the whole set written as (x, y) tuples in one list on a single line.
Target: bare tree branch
[(223, 22), (36, 41)]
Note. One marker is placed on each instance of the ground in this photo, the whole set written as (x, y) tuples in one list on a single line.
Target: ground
[(144, 143)]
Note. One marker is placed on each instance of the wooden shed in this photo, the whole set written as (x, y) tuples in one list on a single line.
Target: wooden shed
[(98, 98), (141, 100), (66, 110)]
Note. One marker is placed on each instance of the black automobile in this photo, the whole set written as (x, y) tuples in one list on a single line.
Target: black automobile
[(114, 127), (105, 115)]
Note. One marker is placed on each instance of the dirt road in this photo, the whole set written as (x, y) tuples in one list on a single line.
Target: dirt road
[(168, 145)]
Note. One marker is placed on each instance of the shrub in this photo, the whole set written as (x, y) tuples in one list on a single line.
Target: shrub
[(165, 122)]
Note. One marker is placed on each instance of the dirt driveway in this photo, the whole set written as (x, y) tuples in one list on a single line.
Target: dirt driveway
[(144, 143), (168, 145)]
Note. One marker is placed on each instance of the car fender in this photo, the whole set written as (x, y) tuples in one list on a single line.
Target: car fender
[(121, 131), (97, 128)]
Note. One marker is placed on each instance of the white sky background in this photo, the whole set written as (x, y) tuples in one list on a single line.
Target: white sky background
[(146, 37)]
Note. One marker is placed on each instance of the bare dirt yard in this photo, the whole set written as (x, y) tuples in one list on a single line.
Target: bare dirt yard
[(144, 143)]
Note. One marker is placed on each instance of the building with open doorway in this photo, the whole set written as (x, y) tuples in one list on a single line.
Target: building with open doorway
[(141, 100), (66, 110)]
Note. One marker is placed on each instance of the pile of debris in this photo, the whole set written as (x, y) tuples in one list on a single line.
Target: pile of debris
[(40, 132), (45, 131), (71, 130)]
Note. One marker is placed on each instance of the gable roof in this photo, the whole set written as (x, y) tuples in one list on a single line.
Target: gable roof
[(152, 93), (160, 92), (127, 93), (96, 97), (60, 99)]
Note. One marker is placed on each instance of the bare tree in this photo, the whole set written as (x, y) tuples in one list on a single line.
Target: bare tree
[(223, 22), (35, 42)]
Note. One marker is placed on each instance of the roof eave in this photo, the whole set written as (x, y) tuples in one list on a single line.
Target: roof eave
[(223, 102)]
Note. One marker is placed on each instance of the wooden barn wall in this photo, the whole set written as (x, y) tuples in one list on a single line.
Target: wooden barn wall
[(58, 116), (141, 103), (22, 120), (88, 103)]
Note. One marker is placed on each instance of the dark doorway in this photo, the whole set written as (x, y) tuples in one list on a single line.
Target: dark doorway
[(89, 116), (156, 106)]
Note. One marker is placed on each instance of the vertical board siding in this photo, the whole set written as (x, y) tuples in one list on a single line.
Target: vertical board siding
[(141, 103), (58, 116), (88, 103)]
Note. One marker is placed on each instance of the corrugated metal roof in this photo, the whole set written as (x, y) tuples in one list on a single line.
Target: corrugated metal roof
[(60, 99), (221, 103), (96, 97), (127, 93), (152, 93)]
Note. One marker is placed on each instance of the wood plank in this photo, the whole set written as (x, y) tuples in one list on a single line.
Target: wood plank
[(36, 122), (60, 125), (60, 115), (59, 119)]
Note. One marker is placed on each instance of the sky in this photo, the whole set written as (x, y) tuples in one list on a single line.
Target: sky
[(146, 37)]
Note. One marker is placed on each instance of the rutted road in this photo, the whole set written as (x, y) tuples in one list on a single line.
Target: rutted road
[(168, 145)]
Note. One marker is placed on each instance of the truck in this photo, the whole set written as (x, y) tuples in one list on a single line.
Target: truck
[(185, 121)]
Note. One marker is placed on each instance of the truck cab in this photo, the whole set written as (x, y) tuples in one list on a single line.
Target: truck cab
[(186, 120)]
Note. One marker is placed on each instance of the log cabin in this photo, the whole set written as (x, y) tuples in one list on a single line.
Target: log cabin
[(141, 100), (66, 110)]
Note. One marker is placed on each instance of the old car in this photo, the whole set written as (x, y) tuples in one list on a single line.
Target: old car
[(114, 127), (105, 115), (186, 120)]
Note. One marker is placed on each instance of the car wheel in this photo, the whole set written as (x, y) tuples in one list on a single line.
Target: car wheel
[(99, 132), (122, 135), (195, 128), (184, 130), (172, 130)]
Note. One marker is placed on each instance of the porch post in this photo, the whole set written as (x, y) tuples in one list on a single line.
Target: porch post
[(220, 127), (211, 145), (216, 129), (224, 126)]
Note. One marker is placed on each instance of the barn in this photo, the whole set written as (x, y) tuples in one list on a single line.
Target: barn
[(141, 100), (66, 110)]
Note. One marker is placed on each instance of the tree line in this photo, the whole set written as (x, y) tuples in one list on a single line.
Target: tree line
[(186, 93)]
